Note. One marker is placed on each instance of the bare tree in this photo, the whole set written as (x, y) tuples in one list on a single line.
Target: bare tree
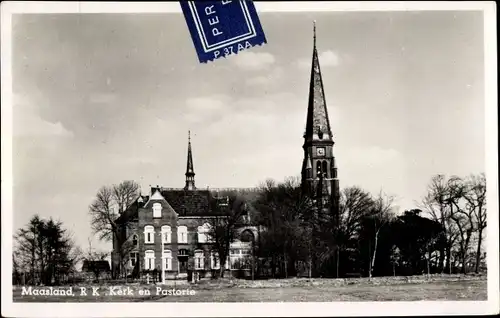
[(438, 205), (460, 206), (287, 218), (476, 202), (109, 221), (381, 214), (462, 214), (341, 232), (355, 205), (223, 229), (124, 194)]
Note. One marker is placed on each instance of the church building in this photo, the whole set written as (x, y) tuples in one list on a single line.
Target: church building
[(167, 230), (319, 170)]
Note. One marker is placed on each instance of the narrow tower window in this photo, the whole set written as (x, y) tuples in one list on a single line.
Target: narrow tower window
[(318, 168), (325, 168)]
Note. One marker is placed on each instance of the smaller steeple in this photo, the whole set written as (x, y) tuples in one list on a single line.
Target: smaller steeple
[(190, 168)]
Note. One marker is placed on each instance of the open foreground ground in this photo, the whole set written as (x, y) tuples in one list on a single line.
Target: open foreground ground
[(292, 290)]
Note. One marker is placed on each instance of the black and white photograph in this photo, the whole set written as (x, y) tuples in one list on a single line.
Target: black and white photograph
[(347, 161)]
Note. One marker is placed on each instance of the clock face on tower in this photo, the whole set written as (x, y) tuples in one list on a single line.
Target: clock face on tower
[(320, 151)]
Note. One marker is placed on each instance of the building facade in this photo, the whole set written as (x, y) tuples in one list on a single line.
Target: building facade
[(168, 231)]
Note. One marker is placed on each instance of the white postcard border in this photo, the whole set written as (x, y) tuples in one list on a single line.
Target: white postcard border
[(251, 309)]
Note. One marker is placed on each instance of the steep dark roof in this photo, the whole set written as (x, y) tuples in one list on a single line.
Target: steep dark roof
[(132, 211), (191, 203), (318, 121)]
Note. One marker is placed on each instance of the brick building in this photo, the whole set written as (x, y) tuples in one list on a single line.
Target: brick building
[(168, 230)]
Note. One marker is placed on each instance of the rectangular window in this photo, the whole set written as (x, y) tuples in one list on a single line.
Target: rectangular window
[(182, 237), (168, 263), (149, 234), (167, 237), (157, 210), (199, 260), (182, 234)]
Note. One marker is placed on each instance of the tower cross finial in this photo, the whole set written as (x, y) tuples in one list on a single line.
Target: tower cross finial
[(189, 135), (314, 33)]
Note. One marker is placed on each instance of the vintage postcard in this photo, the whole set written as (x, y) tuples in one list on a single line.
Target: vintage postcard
[(239, 158)]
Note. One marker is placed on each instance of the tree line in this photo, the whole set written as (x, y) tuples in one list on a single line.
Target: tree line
[(366, 236), (444, 233)]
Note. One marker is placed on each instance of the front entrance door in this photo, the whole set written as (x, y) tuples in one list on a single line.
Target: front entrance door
[(183, 264)]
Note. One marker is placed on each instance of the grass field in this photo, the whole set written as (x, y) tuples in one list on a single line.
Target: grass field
[(325, 292)]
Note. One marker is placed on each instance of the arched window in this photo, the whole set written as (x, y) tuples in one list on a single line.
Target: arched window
[(157, 210), (318, 168), (182, 234), (166, 234), (135, 239), (199, 260), (149, 260), (204, 233), (325, 168), (167, 259), (149, 234)]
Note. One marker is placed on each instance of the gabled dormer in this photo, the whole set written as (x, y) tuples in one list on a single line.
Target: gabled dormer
[(158, 206)]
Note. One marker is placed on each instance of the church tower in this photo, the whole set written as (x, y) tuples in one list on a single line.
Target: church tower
[(319, 171), (190, 169)]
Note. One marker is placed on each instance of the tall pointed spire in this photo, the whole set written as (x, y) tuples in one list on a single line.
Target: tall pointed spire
[(318, 123), (314, 34), (190, 168)]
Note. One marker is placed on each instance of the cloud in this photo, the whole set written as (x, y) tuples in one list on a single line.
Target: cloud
[(326, 59), (200, 108), (253, 61), (207, 103), (27, 122), (265, 80)]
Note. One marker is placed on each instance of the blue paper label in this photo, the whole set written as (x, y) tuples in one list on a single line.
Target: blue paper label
[(222, 28)]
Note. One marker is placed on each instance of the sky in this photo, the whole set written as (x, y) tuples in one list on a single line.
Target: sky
[(102, 98)]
